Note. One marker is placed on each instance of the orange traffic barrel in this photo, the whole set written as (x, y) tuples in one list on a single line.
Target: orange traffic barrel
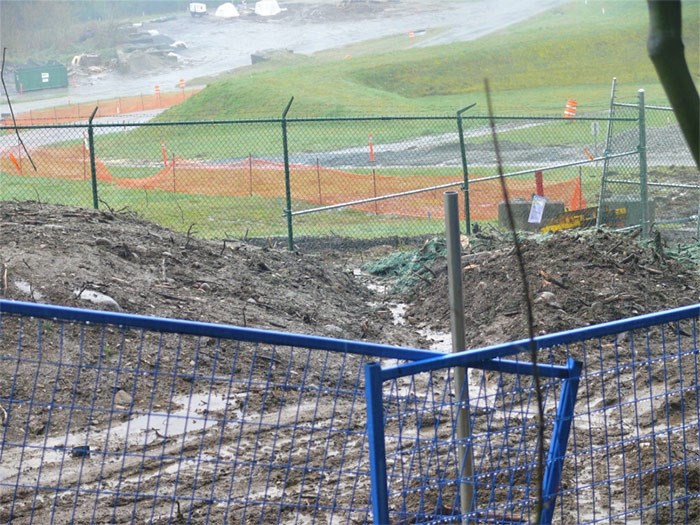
[(570, 109)]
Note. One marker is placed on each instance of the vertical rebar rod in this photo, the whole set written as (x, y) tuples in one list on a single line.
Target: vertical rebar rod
[(643, 193), (463, 430)]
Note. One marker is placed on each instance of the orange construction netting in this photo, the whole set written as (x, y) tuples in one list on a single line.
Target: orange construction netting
[(312, 184), (63, 163), (105, 108)]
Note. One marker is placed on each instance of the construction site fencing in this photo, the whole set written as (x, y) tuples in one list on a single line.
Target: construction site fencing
[(109, 108), (667, 178), (110, 417), (302, 180), (115, 418), (627, 399)]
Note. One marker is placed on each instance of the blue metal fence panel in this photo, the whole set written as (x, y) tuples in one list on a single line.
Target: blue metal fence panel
[(108, 418), (417, 474), (633, 452)]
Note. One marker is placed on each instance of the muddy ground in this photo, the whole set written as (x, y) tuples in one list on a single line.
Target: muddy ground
[(575, 280), (117, 261)]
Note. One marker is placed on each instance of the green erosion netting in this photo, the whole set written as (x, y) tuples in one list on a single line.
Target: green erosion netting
[(409, 267)]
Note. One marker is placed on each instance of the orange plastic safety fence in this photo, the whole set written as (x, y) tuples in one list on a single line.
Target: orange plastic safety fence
[(63, 163), (314, 185), (105, 108)]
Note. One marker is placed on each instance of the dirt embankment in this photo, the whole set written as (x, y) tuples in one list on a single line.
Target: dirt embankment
[(51, 254), (575, 279)]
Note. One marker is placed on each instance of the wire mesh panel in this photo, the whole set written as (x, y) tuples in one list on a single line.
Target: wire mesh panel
[(673, 176), (633, 452), (113, 418), (215, 180), (558, 159), (51, 164), (371, 177), (428, 461)]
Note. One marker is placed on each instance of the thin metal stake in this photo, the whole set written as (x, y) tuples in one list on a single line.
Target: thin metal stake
[(643, 190), (463, 430)]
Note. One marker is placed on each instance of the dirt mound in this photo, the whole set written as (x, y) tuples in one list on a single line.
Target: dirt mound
[(118, 261), (575, 279)]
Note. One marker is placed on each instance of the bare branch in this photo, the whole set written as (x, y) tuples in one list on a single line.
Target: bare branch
[(528, 304), (12, 112)]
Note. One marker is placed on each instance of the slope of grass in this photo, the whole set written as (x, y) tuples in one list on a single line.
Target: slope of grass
[(534, 67)]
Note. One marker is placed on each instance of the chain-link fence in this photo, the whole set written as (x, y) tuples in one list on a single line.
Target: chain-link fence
[(665, 177), (305, 180)]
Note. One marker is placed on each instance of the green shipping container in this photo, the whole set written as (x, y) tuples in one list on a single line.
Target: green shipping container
[(33, 78)]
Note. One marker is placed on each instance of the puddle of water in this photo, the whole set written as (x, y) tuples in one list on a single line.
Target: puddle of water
[(141, 430), (191, 417)]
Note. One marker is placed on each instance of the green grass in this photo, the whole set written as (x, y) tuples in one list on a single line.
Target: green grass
[(533, 68), (213, 217)]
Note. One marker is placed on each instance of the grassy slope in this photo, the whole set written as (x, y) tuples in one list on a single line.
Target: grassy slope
[(533, 68)]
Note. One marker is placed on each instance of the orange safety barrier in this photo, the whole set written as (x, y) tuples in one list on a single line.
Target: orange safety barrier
[(578, 202), (570, 109), (106, 108), (313, 184), (62, 163)]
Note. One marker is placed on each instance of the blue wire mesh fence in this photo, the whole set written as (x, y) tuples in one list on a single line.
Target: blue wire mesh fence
[(111, 418), (633, 454), (426, 463)]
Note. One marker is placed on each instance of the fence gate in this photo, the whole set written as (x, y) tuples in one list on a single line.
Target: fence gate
[(417, 461)]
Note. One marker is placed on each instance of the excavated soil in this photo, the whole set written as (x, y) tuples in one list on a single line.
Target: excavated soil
[(574, 280), (117, 261), (52, 254)]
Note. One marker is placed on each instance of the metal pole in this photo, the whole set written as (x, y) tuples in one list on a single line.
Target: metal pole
[(377, 448), (606, 152), (93, 168), (463, 430), (287, 178), (643, 194), (465, 170)]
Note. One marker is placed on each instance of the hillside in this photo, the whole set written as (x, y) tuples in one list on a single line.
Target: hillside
[(571, 51)]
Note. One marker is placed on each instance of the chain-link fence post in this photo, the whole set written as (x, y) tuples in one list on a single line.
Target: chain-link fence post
[(93, 168), (643, 193), (465, 170), (606, 153), (287, 178)]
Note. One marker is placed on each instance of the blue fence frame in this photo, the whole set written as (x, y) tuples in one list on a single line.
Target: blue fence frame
[(113, 417), (634, 436)]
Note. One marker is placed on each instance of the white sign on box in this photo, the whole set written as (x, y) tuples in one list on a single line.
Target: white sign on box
[(537, 209)]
